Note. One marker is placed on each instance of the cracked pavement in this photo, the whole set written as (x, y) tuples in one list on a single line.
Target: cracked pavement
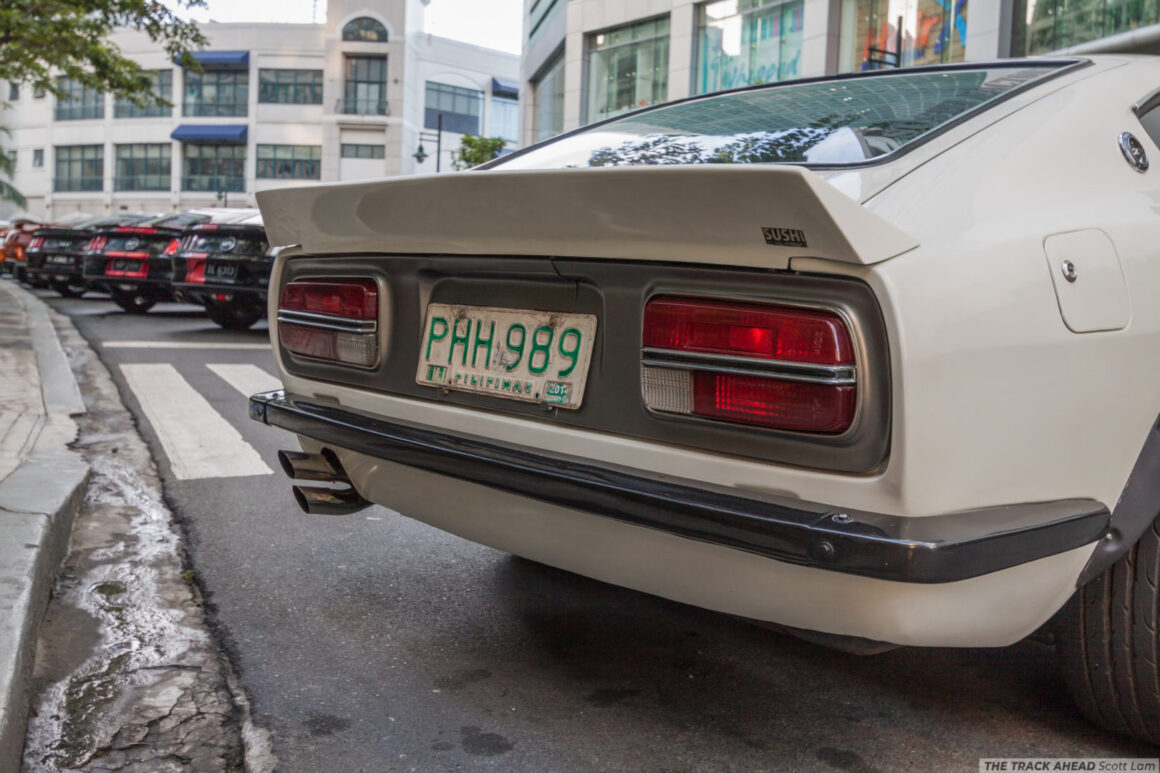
[(128, 677)]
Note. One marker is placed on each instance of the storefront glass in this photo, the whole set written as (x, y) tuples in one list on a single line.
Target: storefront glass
[(747, 42), (928, 32), (628, 67), (548, 117), (1046, 25)]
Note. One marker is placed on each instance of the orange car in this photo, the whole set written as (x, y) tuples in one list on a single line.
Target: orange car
[(15, 240)]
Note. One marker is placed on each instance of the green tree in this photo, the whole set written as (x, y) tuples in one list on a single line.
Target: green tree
[(474, 151), (41, 39), (7, 167)]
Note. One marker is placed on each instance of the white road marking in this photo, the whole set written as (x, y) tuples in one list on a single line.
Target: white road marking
[(178, 345), (247, 379), (198, 440)]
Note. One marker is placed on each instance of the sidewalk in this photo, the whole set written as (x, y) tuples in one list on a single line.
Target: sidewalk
[(42, 483)]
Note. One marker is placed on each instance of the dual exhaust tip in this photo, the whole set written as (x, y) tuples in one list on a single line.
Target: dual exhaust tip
[(323, 467)]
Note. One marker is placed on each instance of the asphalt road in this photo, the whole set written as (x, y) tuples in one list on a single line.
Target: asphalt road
[(375, 643)]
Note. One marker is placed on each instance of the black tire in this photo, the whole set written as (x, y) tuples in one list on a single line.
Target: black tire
[(1108, 643), (69, 289), (134, 303), (232, 316)]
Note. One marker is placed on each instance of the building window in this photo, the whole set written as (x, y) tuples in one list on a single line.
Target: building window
[(216, 93), (365, 29), (213, 167), (290, 162), (540, 17), (461, 108), (363, 151), (747, 42), (162, 87), (505, 118), (38, 92), (548, 118), (1045, 25), (292, 87), (628, 67), (12, 156), (38, 157), (13, 91), (365, 92), (143, 167), (870, 36), (79, 168), (79, 101)]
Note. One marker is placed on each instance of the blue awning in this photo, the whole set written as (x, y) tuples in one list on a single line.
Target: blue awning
[(208, 132), (222, 59), (502, 87)]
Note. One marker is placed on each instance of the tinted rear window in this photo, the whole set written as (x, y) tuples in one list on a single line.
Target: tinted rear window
[(841, 121)]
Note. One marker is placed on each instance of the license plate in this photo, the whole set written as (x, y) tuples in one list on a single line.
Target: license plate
[(126, 265), (220, 270), (534, 356), (60, 260)]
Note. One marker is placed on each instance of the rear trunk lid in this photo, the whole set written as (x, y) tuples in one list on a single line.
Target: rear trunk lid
[(731, 215)]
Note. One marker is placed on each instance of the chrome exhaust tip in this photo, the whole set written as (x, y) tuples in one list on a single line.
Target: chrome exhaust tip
[(328, 501), (302, 466)]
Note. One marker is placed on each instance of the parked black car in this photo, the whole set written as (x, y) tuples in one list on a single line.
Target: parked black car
[(132, 263), (54, 256), (226, 268)]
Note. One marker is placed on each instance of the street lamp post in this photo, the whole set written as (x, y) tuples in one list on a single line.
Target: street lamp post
[(420, 155)]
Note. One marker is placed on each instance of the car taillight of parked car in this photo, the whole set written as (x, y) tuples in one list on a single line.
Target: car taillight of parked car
[(172, 247), (331, 319), (36, 243), (778, 367), (97, 243)]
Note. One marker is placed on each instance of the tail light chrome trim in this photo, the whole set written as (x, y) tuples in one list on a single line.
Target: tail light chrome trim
[(830, 375), (328, 322)]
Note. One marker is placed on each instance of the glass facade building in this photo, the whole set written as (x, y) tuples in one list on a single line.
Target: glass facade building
[(891, 33), (1040, 26), (628, 67), (747, 42), (548, 92)]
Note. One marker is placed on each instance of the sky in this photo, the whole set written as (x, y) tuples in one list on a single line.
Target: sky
[(491, 23)]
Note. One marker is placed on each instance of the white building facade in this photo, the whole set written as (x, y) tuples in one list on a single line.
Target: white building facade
[(586, 60), (275, 104)]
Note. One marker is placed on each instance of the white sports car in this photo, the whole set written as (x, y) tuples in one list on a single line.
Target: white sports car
[(875, 357)]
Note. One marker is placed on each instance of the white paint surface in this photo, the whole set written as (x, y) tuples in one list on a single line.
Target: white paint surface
[(199, 442), (247, 379), (179, 345)]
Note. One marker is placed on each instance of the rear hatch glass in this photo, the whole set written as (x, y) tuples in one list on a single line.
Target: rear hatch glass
[(833, 122), (224, 245)]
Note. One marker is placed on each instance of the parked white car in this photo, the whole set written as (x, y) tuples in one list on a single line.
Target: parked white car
[(874, 356)]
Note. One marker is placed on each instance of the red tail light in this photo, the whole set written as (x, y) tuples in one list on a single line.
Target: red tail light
[(331, 319), (36, 243), (97, 243), (172, 247), (770, 366)]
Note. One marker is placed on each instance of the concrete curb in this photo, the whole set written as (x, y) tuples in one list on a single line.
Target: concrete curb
[(38, 502)]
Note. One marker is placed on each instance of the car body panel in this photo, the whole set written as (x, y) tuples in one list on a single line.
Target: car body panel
[(995, 400)]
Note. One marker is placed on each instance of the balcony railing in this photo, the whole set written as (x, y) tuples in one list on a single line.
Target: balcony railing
[(362, 107), (213, 183), (77, 184), (142, 182), (67, 112), (215, 109)]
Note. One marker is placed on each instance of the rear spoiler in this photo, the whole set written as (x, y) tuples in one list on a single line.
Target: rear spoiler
[(760, 216)]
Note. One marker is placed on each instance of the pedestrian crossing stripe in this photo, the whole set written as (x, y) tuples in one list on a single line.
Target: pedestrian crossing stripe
[(246, 378), (199, 441)]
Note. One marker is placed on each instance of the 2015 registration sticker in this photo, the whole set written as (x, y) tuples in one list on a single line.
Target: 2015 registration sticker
[(533, 356)]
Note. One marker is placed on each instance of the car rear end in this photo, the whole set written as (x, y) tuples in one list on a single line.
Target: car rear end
[(224, 267), (130, 259), (708, 381)]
